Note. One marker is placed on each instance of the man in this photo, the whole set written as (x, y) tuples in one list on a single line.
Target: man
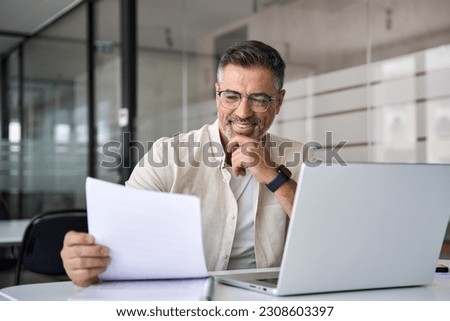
[(244, 176)]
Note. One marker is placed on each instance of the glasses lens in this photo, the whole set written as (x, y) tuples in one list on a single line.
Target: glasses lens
[(259, 103), (230, 99)]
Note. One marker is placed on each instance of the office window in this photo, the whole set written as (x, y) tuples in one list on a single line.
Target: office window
[(54, 155)]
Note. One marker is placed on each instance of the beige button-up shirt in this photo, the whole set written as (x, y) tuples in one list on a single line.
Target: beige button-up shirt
[(193, 163)]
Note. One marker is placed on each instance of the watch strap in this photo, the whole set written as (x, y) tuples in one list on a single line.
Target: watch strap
[(282, 177)]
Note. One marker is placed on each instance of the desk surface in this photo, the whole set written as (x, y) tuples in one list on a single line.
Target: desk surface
[(11, 232), (438, 290)]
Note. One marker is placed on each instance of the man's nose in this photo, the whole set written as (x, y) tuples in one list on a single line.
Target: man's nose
[(244, 109)]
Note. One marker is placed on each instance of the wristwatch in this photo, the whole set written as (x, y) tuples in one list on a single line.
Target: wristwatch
[(284, 175)]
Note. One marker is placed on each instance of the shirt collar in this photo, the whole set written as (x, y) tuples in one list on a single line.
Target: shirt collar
[(214, 135)]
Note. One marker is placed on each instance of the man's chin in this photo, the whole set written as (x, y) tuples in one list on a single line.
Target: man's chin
[(230, 134)]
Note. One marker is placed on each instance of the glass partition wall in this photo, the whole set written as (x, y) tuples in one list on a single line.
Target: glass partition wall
[(44, 152), (367, 77), (43, 158)]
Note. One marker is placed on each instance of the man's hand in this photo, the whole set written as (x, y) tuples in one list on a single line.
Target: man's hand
[(248, 153), (83, 259)]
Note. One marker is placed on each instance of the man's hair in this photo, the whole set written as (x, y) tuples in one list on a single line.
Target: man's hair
[(252, 53)]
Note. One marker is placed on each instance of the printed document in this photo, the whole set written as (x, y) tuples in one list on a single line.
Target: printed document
[(150, 235)]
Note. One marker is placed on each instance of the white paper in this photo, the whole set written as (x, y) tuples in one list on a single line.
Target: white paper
[(155, 290), (151, 235)]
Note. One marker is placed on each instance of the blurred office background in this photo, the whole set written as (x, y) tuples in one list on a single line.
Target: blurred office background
[(374, 73)]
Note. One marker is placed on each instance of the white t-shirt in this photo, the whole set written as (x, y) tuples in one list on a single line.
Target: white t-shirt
[(243, 250)]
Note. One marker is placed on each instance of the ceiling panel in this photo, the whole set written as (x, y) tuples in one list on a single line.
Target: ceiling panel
[(28, 16)]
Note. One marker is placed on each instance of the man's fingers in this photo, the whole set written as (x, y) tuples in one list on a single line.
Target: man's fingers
[(86, 277), (88, 251), (83, 259), (84, 283), (72, 238), (231, 147), (87, 263)]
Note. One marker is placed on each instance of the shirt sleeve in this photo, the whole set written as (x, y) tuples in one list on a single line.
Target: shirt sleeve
[(153, 170)]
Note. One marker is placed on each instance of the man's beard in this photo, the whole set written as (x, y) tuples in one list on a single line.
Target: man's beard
[(258, 130)]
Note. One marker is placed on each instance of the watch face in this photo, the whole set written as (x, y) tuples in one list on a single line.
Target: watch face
[(286, 171)]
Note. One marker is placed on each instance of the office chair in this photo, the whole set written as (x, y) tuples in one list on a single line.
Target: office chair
[(4, 212), (43, 240), (7, 255)]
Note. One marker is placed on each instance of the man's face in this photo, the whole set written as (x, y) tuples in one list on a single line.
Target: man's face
[(243, 120)]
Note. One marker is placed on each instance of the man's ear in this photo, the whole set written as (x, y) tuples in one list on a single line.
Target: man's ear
[(280, 99), (216, 95)]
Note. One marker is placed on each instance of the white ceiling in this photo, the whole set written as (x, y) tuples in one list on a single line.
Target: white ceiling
[(21, 18)]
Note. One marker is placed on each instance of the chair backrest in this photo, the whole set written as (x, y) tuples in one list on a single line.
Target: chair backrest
[(4, 212), (43, 240)]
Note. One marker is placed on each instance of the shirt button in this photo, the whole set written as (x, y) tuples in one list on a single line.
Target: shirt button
[(233, 217), (225, 256)]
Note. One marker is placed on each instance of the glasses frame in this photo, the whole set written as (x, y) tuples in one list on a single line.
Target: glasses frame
[(270, 98)]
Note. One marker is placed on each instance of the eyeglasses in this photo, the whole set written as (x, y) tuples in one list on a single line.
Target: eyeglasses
[(258, 102)]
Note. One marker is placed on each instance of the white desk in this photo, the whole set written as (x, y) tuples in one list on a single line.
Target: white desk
[(11, 232), (438, 290)]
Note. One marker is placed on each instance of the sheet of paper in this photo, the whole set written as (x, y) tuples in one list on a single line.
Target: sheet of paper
[(154, 290), (151, 235)]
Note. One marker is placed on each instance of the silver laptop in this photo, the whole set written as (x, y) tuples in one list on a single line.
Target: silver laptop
[(360, 226)]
